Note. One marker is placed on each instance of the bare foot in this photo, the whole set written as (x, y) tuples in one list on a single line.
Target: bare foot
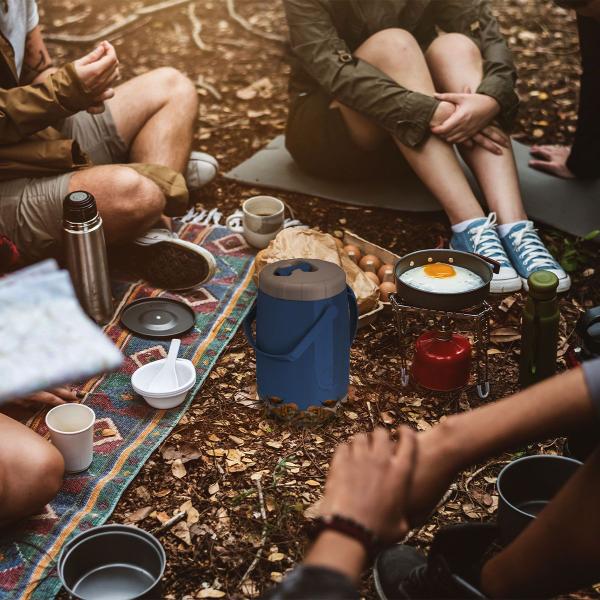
[(551, 159)]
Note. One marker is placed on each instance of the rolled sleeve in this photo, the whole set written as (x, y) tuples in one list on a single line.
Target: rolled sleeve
[(591, 371), (353, 82)]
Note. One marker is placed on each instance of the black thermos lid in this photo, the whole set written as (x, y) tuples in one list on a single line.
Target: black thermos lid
[(79, 207)]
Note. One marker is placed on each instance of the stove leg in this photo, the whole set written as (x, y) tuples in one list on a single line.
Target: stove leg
[(483, 390)]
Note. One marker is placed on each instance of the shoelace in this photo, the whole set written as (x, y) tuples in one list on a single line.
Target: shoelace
[(531, 249), (486, 241), (203, 217)]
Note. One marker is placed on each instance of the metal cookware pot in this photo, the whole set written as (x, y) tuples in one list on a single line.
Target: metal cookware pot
[(480, 265), (112, 561)]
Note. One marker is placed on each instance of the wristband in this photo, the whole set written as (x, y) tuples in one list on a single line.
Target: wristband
[(364, 536)]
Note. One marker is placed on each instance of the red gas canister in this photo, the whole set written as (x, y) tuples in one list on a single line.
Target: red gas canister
[(442, 360)]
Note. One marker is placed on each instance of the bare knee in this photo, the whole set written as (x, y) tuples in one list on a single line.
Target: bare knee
[(178, 87), (452, 46), (50, 468), (140, 199), (389, 47)]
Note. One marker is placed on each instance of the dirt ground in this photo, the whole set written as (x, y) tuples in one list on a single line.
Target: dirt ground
[(208, 466)]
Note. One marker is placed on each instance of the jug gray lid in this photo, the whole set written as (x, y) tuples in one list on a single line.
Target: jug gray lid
[(302, 279)]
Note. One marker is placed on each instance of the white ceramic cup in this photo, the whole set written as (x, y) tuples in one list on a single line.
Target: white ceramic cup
[(263, 218), (71, 429)]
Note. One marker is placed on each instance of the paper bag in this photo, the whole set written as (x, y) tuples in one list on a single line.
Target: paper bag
[(295, 242)]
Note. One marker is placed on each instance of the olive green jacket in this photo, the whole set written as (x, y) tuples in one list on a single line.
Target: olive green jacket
[(325, 33), (30, 144)]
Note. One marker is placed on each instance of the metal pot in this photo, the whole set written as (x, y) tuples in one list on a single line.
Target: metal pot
[(525, 486), (480, 265), (112, 561)]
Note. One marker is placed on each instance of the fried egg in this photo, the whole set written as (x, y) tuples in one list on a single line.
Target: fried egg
[(441, 278)]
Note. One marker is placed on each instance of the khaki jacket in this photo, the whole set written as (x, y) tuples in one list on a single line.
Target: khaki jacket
[(325, 33), (30, 145)]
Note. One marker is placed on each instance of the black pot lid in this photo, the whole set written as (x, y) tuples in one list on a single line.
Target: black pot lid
[(158, 318)]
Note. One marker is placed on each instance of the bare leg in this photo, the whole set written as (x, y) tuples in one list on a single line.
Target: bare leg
[(128, 202), (560, 551), (155, 115), (456, 64), (31, 471), (396, 53)]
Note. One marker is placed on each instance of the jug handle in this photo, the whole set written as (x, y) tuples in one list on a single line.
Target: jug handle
[(328, 315), (353, 307)]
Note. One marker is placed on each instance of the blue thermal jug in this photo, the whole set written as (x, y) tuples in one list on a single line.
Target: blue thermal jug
[(306, 318)]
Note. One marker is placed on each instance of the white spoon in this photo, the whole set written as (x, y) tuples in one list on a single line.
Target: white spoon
[(166, 378)]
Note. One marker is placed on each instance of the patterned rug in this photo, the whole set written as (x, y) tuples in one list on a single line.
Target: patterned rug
[(28, 552)]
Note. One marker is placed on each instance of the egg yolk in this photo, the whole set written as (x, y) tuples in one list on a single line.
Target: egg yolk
[(439, 270)]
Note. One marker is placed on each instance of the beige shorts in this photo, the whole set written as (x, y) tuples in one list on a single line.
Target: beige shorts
[(31, 208)]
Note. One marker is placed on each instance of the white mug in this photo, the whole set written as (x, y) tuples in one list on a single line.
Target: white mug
[(262, 220), (71, 429)]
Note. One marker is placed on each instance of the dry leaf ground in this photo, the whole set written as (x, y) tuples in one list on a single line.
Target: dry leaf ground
[(235, 480)]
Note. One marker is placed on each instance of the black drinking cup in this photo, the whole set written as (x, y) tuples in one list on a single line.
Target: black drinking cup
[(525, 486), (113, 561)]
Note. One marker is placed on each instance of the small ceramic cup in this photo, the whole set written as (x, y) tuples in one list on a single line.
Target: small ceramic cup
[(262, 220), (71, 429)]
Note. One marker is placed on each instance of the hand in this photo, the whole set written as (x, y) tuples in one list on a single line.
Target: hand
[(97, 71), (491, 138), (442, 113), (438, 462), (554, 160), (369, 479), (473, 113), (54, 397)]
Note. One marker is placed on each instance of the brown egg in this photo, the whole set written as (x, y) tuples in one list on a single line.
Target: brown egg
[(387, 288), (386, 273), (369, 262), (373, 277), (353, 252)]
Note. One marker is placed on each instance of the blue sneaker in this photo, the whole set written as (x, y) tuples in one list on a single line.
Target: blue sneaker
[(480, 237), (528, 254)]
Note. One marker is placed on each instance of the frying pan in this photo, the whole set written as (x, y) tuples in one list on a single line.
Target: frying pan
[(456, 301)]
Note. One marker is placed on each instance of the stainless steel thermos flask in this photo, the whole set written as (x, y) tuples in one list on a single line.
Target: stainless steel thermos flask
[(85, 252)]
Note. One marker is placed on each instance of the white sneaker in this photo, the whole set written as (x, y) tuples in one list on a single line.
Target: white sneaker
[(170, 263), (202, 168)]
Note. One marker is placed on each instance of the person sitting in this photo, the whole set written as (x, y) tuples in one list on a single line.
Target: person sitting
[(31, 468), (581, 159), (402, 482), (69, 128), (372, 82)]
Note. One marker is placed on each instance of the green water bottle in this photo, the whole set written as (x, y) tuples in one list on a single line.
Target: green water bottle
[(539, 329)]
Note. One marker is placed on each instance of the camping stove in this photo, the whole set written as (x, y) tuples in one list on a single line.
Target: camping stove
[(473, 322)]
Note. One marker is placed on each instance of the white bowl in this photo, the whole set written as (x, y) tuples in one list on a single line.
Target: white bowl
[(186, 376)]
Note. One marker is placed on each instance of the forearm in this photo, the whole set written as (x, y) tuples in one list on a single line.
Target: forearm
[(551, 408), (338, 552)]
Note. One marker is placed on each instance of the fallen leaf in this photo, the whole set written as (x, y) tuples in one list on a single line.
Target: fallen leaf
[(276, 556), (503, 335), (182, 531), (210, 593), (351, 415), (274, 444), (162, 493), (178, 469), (312, 483), (108, 432), (213, 489), (236, 440), (276, 576), (138, 515)]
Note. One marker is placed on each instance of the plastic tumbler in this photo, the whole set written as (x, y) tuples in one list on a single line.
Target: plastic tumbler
[(71, 429)]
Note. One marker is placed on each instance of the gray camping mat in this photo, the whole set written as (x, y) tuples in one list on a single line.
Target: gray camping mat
[(569, 205)]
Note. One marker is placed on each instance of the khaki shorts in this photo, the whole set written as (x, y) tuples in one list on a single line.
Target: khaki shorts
[(31, 209)]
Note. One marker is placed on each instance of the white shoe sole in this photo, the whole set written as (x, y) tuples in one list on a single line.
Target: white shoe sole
[(208, 257), (502, 286)]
